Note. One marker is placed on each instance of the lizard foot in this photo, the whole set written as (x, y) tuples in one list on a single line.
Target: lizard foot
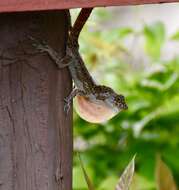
[(67, 105), (40, 46), (69, 98), (43, 47)]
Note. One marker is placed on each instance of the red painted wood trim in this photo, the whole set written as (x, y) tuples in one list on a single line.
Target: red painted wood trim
[(32, 5)]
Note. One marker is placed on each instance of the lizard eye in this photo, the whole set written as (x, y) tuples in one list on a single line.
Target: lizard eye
[(120, 102), (121, 97)]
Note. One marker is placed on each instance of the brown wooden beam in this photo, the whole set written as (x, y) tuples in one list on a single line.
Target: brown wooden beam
[(31, 5), (35, 133)]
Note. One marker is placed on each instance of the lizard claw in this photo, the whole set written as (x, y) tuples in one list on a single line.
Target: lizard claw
[(40, 46), (67, 105)]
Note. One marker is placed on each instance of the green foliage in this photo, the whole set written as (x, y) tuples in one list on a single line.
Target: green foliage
[(175, 36), (123, 183), (150, 126), (87, 179), (154, 39)]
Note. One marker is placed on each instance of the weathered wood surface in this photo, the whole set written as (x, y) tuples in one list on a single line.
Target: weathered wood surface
[(26, 5), (35, 134)]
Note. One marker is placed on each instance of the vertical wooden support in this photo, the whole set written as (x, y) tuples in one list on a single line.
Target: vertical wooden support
[(35, 134)]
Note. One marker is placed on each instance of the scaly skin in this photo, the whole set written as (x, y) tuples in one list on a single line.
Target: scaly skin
[(84, 83)]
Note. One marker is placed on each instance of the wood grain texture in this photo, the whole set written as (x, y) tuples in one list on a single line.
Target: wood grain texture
[(35, 134), (31, 5)]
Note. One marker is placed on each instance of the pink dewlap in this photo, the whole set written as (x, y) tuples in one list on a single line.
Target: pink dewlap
[(93, 112)]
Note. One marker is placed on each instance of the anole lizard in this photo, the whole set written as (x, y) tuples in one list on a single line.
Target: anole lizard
[(97, 103)]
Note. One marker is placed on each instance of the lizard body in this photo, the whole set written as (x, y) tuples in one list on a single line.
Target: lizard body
[(81, 77), (84, 83)]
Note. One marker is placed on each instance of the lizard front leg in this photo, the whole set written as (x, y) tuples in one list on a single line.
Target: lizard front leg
[(44, 47), (70, 97)]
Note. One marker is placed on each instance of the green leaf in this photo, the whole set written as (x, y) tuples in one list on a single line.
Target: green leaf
[(108, 183), (124, 32), (141, 183), (169, 107), (126, 177), (154, 39), (78, 178), (87, 179), (175, 36)]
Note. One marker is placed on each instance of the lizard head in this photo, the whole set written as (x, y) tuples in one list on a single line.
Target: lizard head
[(119, 102), (111, 98)]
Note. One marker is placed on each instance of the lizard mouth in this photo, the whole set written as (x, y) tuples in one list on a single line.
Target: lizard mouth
[(93, 112)]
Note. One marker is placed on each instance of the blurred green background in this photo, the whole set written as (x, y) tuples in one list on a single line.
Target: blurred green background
[(132, 62)]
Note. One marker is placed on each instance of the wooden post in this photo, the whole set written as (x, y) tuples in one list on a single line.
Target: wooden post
[(35, 134)]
